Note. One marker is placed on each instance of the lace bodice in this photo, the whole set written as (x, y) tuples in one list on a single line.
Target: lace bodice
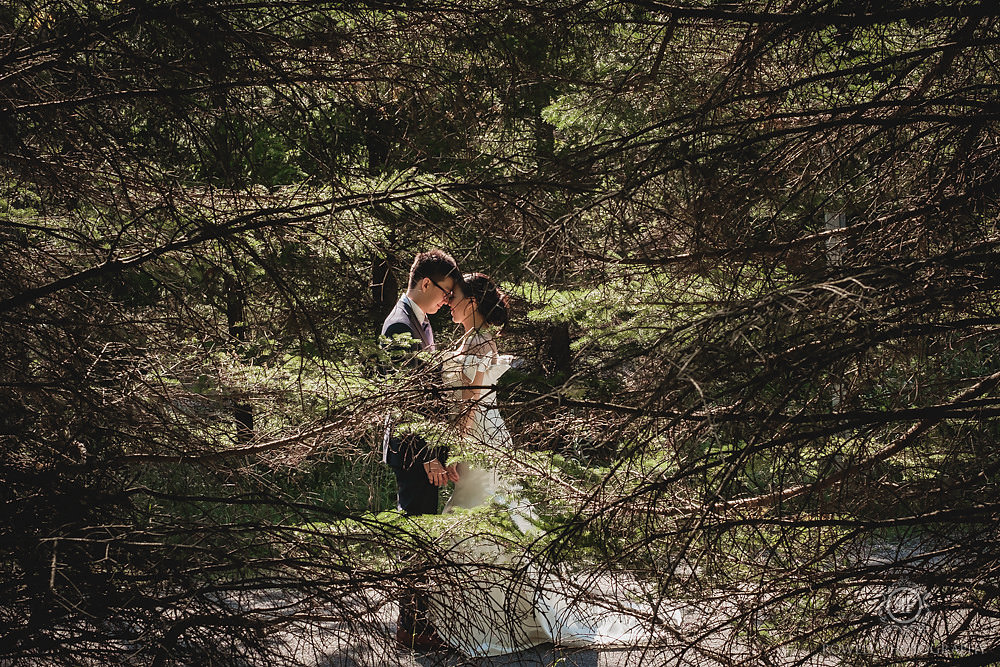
[(460, 369)]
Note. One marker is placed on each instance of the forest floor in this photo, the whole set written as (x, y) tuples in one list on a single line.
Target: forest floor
[(367, 642), (903, 622)]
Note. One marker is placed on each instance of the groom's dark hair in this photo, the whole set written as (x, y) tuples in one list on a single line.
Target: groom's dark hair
[(434, 264)]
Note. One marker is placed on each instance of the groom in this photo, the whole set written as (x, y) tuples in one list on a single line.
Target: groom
[(419, 466)]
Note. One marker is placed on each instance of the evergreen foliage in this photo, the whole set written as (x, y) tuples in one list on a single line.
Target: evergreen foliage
[(753, 409)]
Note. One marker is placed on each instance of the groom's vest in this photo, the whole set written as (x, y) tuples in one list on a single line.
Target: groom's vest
[(403, 452)]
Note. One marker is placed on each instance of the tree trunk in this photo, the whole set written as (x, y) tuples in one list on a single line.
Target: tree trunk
[(384, 287), (558, 350), (236, 319)]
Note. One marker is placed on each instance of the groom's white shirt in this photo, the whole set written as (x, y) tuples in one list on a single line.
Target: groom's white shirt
[(421, 315)]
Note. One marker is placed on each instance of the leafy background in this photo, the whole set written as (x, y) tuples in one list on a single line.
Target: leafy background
[(753, 406)]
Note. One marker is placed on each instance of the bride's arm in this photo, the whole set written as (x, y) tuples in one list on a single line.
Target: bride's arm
[(472, 392), (470, 397)]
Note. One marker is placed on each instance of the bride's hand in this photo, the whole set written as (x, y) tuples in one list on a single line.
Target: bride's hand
[(453, 475), (437, 474)]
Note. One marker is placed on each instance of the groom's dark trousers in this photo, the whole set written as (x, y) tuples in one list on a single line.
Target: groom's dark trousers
[(406, 454), (415, 495), (414, 492)]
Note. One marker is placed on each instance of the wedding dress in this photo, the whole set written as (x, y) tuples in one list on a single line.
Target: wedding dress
[(491, 597)]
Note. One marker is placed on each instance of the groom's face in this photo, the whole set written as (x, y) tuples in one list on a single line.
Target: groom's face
[(436, 295)]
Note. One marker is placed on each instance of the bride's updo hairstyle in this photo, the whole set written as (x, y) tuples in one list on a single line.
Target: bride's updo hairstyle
[(492, 303)]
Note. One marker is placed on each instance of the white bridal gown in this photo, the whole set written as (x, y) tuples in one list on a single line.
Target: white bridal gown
[(490, 598)]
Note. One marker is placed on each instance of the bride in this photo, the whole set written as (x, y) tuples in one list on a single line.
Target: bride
[(489, 599), (472, 370)]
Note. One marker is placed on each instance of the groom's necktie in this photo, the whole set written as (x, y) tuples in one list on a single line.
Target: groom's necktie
[(428, 334)]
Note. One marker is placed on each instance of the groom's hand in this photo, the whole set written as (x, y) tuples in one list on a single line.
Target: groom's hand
[(436, 473)]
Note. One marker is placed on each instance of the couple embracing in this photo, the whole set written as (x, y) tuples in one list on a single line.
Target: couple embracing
[(495, 601), (473, 365), (476, 303)]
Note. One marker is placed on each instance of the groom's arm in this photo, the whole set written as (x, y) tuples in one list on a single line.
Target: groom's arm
[(403, 345)]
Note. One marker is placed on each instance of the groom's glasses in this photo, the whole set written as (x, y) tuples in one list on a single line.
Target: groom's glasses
[(448, 294)]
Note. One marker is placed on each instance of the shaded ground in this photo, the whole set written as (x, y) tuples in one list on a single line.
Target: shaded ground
[(906, 622), (336, 644)]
